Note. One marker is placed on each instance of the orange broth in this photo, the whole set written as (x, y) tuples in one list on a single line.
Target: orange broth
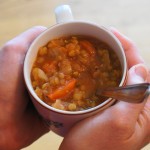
[(68, 70)]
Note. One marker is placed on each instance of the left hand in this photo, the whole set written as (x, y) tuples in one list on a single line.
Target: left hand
[(20, 125)]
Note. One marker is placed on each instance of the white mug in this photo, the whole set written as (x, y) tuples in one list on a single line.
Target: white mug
[(61, 121)]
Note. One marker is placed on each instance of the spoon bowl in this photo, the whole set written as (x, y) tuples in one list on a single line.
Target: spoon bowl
[(135, 93)]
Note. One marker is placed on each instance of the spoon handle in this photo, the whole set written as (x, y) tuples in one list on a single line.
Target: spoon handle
[(131, 93)]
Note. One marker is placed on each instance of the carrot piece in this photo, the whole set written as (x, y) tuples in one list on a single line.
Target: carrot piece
[(88, 46), (62, 91)]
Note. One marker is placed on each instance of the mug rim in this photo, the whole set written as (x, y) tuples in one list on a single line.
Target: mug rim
[(37, 99)]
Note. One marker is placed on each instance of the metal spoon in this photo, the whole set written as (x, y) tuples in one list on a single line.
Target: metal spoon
[(131, 93)]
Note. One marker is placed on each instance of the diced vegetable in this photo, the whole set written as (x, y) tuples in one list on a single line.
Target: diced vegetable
[(72, 106), (39, 74), (62, 91), (58, 104)]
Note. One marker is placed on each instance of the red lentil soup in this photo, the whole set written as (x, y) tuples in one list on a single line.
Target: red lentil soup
[(68, 70)]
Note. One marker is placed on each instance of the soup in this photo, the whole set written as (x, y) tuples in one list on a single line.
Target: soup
[(68, 71)]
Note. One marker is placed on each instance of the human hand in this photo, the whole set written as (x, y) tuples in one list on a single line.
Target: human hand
[(20, 124), (123, 126)]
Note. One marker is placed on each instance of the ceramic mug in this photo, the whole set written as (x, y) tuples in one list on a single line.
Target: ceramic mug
[(61, 121)]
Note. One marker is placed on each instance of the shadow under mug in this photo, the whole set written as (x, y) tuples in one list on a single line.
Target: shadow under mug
[(61, 121)]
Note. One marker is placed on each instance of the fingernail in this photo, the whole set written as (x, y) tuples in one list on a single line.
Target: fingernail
[(141, 72)]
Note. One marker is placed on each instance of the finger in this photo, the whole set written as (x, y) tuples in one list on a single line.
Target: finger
[(22, 42), (11, 62), (137, 74), (13, 52), (130, 49)]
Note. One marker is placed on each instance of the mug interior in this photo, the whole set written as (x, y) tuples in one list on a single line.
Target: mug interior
[(66, 29)]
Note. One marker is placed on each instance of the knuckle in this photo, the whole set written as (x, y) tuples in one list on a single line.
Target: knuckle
[(13, 47), (122, 126), (37, 29)]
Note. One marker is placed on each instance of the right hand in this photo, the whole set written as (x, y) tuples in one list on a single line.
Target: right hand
[(123, 126)]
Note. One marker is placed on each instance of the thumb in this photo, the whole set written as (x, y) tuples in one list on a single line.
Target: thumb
[(137, 74)]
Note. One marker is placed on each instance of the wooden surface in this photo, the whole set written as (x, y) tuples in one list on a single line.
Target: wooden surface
[(131, 17)]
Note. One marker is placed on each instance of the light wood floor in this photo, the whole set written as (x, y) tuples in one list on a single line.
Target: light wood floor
[(132, 17)]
